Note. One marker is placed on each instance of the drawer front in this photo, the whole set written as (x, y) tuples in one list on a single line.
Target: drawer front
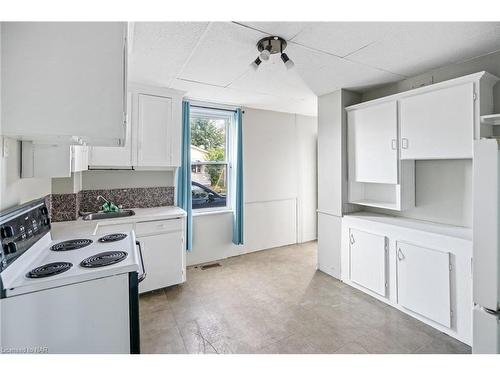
[(113, 228), (159, 226)]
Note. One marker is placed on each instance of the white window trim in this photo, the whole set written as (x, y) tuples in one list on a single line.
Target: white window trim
[(225, 114)]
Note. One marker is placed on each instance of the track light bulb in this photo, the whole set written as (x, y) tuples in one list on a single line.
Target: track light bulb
[(286, 60), (266, 53)]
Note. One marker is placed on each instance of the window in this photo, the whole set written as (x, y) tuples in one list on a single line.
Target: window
[(210, 161)]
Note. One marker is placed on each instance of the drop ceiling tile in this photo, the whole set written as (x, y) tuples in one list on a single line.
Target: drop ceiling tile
[(160, 49), (343, 38), (325, 73), (419, 47), (246, 98), (273, 78), (286, 30), (224, 54)]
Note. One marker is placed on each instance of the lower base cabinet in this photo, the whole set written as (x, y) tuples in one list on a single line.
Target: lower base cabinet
[(367, 260), (162, 255), (420, 268), (424, 282)]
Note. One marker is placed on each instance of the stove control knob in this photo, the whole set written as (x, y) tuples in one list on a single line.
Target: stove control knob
[(10, 248), (45, 210), (7, 231)]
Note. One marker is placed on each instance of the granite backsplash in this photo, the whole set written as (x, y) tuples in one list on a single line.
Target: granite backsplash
[(66, 207)]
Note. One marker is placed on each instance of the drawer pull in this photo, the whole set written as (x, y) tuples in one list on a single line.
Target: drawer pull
[(352, 239)]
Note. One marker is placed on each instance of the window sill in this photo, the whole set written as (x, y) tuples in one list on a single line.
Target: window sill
[(212, 212)]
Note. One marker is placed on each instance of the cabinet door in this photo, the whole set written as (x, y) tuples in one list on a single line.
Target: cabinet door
[(154, 121), (163, 256), (424, 281), (368, 260), (372, 144), (438, 124), (115, 157)]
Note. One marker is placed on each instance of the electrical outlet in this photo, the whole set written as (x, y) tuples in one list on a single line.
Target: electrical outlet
[(5, 148)]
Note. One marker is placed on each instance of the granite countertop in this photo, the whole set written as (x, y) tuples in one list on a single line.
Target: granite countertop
[(80, 227)]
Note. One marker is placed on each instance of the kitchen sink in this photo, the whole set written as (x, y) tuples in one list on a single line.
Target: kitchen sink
[(108, 215)]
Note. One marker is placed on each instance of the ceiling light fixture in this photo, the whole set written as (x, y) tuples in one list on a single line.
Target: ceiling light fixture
[(269, 46)]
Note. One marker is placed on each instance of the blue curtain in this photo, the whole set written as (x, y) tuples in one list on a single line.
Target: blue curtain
[(238, 191), (183, 196)]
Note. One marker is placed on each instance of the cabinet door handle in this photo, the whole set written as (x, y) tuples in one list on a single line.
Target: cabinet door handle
[(404, 143), (401, 256), (352, 239), (394, 144)]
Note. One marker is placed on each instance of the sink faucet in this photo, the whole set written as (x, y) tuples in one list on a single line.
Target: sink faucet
[(108, 206)]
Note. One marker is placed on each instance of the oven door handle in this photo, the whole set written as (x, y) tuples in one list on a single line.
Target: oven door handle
[(142, 275)]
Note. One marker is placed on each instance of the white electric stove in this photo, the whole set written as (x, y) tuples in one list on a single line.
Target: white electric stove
[(77, 295)]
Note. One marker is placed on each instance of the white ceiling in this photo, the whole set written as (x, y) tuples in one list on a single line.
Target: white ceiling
[(210, 60)]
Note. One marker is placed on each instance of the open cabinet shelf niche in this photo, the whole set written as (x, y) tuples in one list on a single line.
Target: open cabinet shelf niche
[(398, 197)]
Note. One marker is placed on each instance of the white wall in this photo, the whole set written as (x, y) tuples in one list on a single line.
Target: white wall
[(307, 150), (13, 189), (443, 188), (279, 156)]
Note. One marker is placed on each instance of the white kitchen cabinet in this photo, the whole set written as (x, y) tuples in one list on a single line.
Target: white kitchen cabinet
[(64, 82), (438, 124), (430, 277), (376, 177), (45, 160), (163, 254), (154, 137), (373, 144), (424, 281), (368, 260), (154, 114)]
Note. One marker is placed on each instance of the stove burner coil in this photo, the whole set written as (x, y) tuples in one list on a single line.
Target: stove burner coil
[(71, 244), (104, 259), (49, 269), (113, 237)]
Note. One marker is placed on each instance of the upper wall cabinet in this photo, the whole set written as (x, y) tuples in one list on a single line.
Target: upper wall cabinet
[(372, 143), (438, 124), (386, 136), (154, 137), (64, 82)]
